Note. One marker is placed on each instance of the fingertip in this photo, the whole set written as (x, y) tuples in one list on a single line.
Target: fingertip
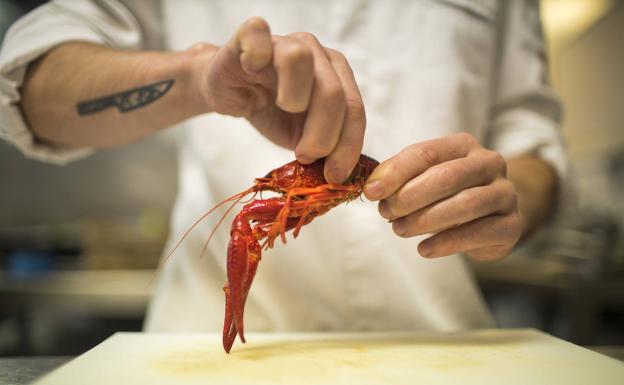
[(340, 163), (425, 249), (257, 22), (385, 210), (374, 190), (293, 105), (308, 150), (334, 174), (399, 227), (303, 158), (255, 44)]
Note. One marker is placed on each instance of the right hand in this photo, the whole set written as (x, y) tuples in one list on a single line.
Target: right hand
[(296, 92)]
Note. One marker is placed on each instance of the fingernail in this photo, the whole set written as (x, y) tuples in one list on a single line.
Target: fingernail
[(250, 66), (399, 227), (304, 159), (425, 249), (385, 210), (374, 190), (336, 175)]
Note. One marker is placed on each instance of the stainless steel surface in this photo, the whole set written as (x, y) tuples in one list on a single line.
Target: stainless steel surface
[(24, 370)]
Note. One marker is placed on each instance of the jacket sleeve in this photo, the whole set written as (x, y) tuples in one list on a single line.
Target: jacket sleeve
[(526, 113), (107, 22)]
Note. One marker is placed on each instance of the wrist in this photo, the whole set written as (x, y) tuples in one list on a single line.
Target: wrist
[(194, 64)]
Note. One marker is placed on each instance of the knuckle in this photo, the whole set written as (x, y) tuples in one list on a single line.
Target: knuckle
[(466, 138), (297, 53), (333, 93), (497, 160), (428, 156), (471, 200), (448, 177), (419, 153), (305, 37), (336, 55)]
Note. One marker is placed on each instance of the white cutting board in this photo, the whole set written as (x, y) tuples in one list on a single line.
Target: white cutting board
[(477, 357)]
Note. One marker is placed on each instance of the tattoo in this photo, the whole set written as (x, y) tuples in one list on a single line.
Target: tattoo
[(127, 100)]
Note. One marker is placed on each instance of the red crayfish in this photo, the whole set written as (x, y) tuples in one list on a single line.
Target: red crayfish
[(304, 195)]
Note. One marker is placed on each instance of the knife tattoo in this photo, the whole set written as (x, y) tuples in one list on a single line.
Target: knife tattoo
[(126, 101)]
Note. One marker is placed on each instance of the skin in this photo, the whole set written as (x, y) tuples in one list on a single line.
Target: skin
[(302, 96), (297, 93), (467, 197)]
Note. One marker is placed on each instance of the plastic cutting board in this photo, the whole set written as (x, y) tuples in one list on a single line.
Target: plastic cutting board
[(481, 357)]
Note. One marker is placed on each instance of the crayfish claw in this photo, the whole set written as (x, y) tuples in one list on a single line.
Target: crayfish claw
[(229, 330)]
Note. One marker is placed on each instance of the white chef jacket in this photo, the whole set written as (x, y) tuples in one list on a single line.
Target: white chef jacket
[(425, 69)]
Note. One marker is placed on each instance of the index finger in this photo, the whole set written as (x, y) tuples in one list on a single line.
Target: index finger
[(412, 161), (346, 154)]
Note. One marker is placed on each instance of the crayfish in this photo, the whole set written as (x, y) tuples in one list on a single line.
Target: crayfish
[(304, 194)]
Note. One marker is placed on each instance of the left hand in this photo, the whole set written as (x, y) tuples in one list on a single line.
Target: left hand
[(453, 188)]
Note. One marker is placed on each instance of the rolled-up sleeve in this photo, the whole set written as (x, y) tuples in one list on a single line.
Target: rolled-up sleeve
[(104, 22), (526, 113)]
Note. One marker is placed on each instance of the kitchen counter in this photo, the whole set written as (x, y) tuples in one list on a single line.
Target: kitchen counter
[(103, 292), (24, 370)]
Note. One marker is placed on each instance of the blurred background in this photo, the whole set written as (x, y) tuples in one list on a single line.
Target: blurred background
[(79, 244)]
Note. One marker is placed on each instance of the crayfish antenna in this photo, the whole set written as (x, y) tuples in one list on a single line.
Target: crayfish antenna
[(214, 230), (237, 197)]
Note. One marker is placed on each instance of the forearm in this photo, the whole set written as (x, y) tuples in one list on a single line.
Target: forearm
[(83, 94), (536, 185)]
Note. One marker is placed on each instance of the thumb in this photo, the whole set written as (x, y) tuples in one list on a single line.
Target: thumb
[(252, 44)]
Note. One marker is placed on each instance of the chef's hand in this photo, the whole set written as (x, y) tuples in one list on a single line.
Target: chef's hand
[(454, 189), (298, 93)]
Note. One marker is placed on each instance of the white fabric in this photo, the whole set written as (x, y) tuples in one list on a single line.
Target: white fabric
[(425, 69)]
